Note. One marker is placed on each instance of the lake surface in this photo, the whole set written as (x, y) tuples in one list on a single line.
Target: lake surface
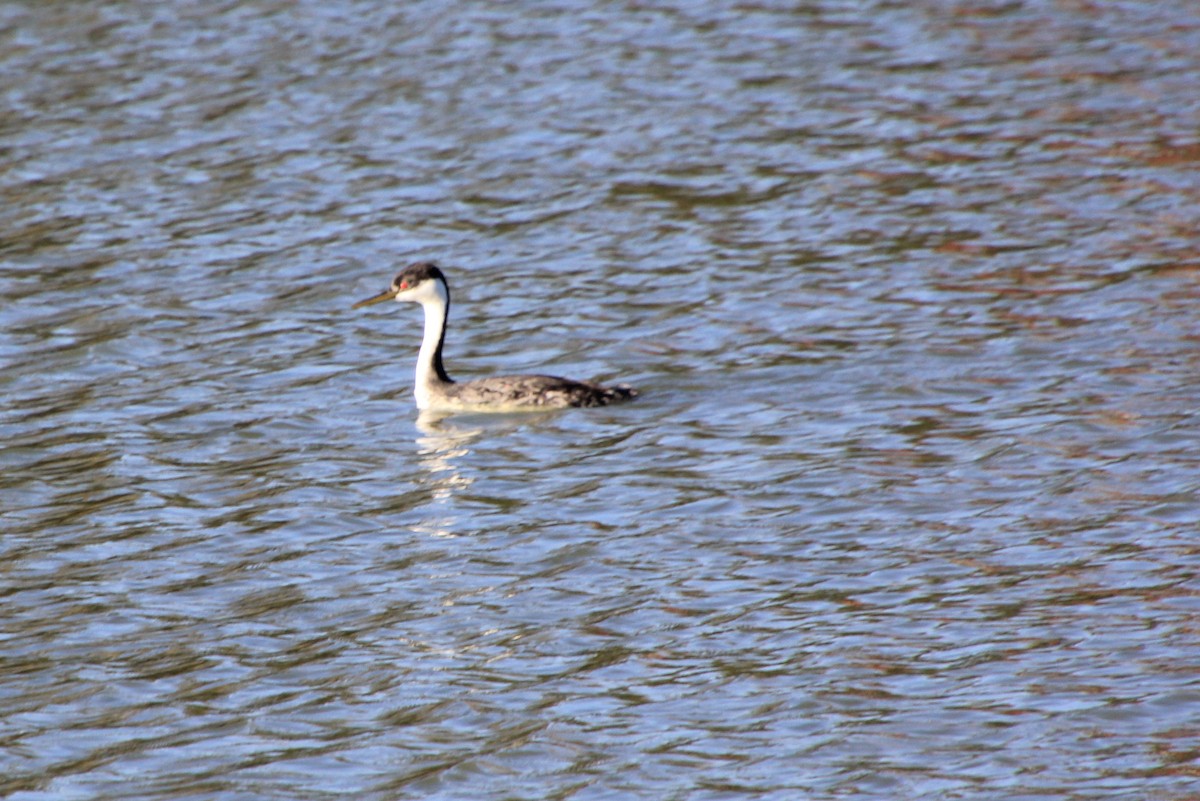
[(908, 506)]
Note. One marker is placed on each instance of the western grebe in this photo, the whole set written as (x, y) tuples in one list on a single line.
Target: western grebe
[(424, 283)]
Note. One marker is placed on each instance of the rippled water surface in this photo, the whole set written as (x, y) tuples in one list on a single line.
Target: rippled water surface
[(907, 508)]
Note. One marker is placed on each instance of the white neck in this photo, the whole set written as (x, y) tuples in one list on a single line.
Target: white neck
[(435, 302)]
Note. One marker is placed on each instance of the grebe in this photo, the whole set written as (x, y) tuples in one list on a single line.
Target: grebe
[(424, 283)]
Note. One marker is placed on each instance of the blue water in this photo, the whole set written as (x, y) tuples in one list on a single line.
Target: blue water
[(907, 506)]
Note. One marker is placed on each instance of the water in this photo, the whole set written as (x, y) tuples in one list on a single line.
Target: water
[(907, 506)]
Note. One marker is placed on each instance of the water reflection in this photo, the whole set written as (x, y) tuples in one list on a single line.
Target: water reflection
[(440, 449)]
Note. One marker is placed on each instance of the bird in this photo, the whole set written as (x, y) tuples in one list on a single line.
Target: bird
[(435, 391)]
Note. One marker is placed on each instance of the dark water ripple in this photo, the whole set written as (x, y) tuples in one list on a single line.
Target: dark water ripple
[(908, 505)]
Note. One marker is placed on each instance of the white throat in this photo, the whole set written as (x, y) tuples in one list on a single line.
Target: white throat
[(434, 300)]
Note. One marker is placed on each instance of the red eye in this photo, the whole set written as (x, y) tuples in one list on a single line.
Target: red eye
[(404, 285)]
